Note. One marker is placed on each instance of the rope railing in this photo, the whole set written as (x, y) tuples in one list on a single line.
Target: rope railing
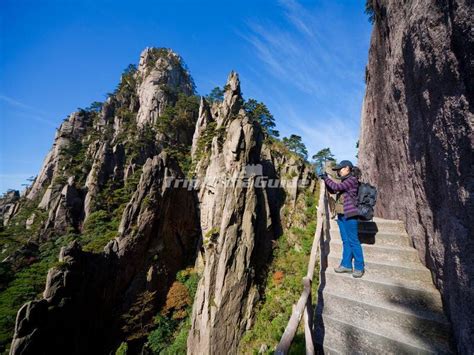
[(304, 307)]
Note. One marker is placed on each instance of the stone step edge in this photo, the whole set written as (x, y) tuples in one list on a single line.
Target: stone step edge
[(390, 233), (425, 315), (370, 226), (386, 247), (375, 232), (420, 348), (395, 264), (375, 220), (379, 219), (364, 278)]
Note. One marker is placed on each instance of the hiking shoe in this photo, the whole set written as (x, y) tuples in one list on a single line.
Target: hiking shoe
[(357, 273), (341, 268)]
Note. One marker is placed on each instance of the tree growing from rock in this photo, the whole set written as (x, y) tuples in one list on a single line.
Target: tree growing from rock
[(259, 112), (217, 94), (321, 157), (137, 320), (296, 145)]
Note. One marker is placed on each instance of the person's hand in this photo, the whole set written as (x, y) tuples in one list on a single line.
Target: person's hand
[(323, 175)]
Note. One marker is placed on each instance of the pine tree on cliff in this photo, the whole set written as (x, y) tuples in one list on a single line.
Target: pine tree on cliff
[(296, 145), (321, 157), (216, 95), (259, 112)]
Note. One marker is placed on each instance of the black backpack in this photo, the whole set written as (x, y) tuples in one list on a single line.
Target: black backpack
[(366, 199)]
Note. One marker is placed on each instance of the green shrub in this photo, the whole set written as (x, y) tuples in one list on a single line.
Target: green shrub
[(159, 338), (177, 124), (284, 284), (99, 228), (190, 278), (179, 344), (122, 349), (28, 284), (216, 95), (170, 335), (259, 112)]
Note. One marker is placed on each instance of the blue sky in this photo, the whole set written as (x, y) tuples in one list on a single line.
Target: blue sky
[(304, 59)]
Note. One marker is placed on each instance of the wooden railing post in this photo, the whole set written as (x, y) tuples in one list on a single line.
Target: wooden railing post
[(304, 305), (308, 323), (295, 319)]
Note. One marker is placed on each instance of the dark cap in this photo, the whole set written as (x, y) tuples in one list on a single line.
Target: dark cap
[(343, 164)]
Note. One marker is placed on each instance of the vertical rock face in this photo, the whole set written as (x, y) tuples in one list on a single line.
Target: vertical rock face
[(85, 296), (236, 225), (8, 206), (158, 74), (416, 142), (96, 150), (73, 128), (141, 97), (240, 207)]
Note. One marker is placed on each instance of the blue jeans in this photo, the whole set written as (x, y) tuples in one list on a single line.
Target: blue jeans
[(351, 247)]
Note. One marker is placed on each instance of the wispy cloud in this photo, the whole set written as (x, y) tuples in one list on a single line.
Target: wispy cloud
[(298, 16), (303, 54), (27, 111)]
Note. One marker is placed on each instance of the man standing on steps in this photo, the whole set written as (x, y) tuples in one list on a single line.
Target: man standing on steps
[(347, 221)]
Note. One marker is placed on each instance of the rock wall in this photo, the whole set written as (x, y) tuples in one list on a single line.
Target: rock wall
[(240, 218), (85, 295), (94, 153), (236, 226), (142, 95), (156, 74), (8, 206), (416, 139)]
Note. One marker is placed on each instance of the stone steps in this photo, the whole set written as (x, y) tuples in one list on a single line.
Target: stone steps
[(418, 328), (348, 338), (381, 290), (409, 272), (374, 252), (394, 308), (385, 225), (379, 238)]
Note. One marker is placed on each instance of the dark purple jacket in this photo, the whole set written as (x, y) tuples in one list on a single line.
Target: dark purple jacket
[(349, 184)]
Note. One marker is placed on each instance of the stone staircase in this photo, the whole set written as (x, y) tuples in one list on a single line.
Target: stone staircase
[(394, 308)]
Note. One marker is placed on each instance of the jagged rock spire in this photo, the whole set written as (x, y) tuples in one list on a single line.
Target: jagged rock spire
[(232, 99), (203, 120), (161, 72)]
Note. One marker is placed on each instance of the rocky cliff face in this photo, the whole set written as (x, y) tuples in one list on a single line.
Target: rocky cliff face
[(87, 293), (236, 224), (416, 141), (87, 177), (8, 206), (116, 183), (240, 218)]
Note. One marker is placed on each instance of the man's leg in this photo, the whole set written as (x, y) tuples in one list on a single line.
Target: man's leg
[(351, 226), (346, 247)]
